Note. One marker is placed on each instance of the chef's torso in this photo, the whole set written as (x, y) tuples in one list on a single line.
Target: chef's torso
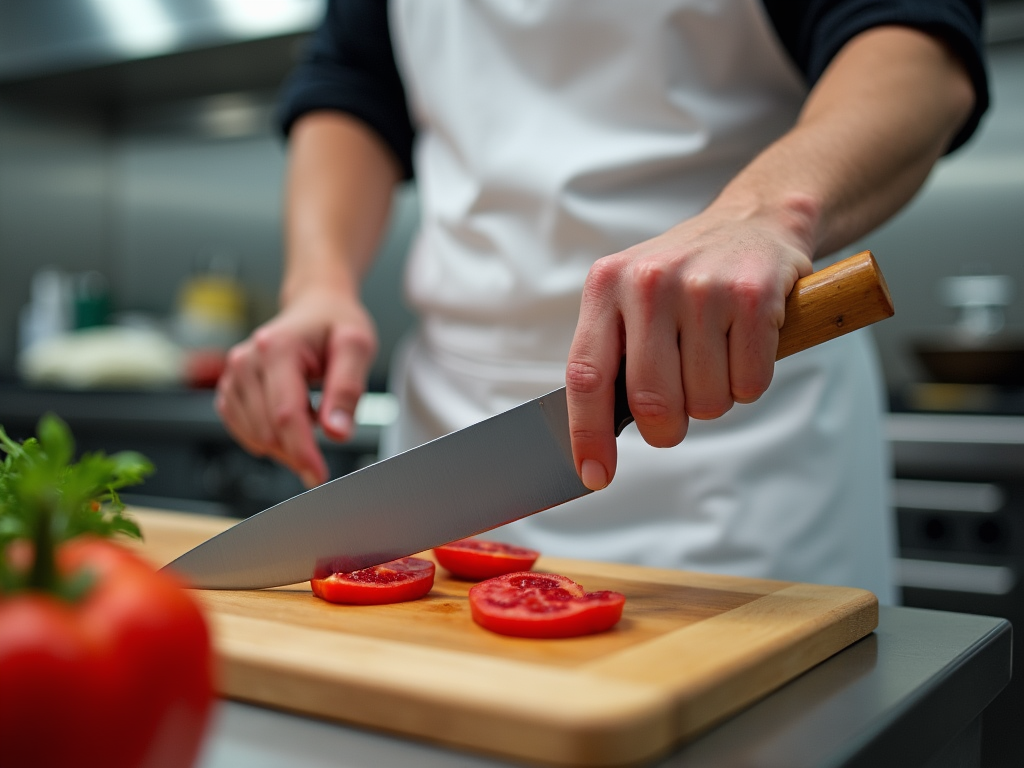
[(554, 132)]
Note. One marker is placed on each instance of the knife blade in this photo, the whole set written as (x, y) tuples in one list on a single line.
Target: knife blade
[(499, 470)]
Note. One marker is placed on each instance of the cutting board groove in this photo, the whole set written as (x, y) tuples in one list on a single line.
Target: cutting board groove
[(691, 650)]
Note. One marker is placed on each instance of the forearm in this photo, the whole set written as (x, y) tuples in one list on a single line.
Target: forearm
[(884, 111), (341, 177)]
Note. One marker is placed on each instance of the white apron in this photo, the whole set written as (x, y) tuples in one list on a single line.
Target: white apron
[(554, 132)]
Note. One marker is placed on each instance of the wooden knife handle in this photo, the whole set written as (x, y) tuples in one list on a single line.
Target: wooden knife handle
[(843, 297)]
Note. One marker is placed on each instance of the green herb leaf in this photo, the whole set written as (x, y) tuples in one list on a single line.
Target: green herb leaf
[(47, 499), (56, 442)]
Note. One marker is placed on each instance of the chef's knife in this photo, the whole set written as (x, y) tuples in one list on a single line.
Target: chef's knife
[(502, 469)]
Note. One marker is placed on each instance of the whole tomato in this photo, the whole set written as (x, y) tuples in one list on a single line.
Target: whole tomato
[(119, 677)]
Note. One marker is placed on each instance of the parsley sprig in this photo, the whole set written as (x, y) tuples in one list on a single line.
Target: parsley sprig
[(46, 498)]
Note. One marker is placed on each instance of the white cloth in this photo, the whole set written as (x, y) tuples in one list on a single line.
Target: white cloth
[(551, 133)]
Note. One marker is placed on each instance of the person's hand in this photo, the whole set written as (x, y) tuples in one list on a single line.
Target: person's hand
[(696, 311), (263, 396)]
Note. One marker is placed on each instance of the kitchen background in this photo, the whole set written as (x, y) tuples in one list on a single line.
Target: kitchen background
[(140, 183)]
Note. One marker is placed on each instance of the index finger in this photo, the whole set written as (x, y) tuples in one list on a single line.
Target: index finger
[(350, 352), (287, 397), (590, 387)]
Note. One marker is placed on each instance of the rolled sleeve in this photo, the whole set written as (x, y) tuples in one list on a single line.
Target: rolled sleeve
[(349, 66), (813, 31)]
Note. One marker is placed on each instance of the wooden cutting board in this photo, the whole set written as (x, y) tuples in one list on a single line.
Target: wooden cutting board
[(691, 650)]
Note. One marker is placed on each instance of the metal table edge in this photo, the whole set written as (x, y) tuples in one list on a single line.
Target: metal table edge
[(933, 709)]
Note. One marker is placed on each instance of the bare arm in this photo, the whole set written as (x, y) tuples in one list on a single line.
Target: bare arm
[(883, 112), (699, 308), (338, 196), (340, 182)]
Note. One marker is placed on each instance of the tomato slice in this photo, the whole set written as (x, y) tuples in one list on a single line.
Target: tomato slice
[(408, 578), (480, 559), (542, 605)]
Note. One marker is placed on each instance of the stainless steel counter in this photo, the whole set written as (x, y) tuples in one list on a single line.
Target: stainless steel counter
[(911, 694)]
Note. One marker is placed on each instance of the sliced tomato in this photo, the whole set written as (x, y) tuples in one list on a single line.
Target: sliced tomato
[(542, 605), (408, 578), (480, 559)]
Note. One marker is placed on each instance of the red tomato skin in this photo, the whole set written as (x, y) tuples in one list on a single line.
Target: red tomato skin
[(497, 605), (122, 679), (477, 559), (415, 580)]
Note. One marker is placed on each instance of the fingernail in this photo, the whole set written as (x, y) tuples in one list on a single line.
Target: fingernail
[(594, 475), (309, 480), (339, 421)]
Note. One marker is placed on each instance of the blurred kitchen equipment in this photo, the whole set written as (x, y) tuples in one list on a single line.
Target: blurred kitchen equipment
[(211, 311), (91, 299), (49, 311), (60, 302), (104, 357), (975, 350), (211, 316)]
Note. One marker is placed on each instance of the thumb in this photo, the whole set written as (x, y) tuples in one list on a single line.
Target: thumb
[(349, 356)]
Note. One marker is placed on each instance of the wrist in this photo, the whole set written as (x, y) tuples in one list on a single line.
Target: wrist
[(318, 276), (796, 217)]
